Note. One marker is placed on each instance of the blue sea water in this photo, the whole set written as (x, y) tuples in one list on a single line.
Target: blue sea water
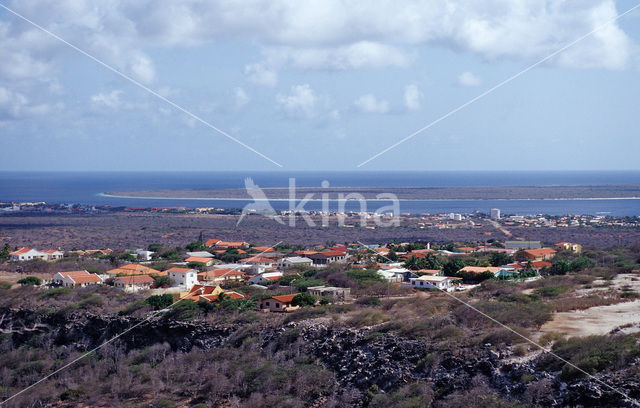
[(86, 188)]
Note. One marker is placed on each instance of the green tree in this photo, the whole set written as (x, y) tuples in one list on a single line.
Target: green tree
[(162, 281), (160, 301), (560, 267), (155, 247), (499, 258), (30, 280), (4, 254), (195, 246), (127, 257), (452, 267), (303, 299)]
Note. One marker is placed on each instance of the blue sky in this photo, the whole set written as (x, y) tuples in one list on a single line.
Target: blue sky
[(320, 85)]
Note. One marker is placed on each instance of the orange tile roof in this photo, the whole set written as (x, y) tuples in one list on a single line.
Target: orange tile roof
[(178, 269), (134, 269), (258, 259), (81, 276), (273, 278), (218, 273), (211, 242), (263, 249), (332, 253), (284, 298), (200, 259), (541, 264), (133, 279), (305, 252), (540, 251), (21, 251)]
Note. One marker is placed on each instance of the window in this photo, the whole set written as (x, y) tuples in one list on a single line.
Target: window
[(267, 303), (277, 305)]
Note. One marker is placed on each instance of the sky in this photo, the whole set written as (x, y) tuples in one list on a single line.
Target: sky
[(319, 85)]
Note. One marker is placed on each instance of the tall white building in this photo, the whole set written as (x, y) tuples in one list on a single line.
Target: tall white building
[(495, 213)]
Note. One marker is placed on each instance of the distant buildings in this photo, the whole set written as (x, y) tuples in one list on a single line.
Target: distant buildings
[(76, 279), (517, 245), (27, 254)]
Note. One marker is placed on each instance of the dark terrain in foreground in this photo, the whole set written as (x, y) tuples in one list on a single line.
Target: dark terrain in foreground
[(126, 230)]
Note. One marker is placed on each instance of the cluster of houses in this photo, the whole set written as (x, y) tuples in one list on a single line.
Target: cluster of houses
[(264, 266)]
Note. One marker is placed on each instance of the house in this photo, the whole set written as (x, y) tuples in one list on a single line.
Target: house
[(53, 254), (210, 293), (390, 275), (280, 303), (76, 279), (219, 244), (430, 272), (26, 254), (144, 255), (220, 275), (200, 259), (263, 249), (267, 278), (480, 269), (327, 257), (445, 283), (200, 254), (134, 283), (294, 261), (183, 276), (134, 269), (259, 260), (330, 291), (541, 254), (568, 246), (517, 245)]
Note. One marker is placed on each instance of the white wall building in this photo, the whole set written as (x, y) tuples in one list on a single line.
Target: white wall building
[(495, 213), (446, 283), (183, 276)]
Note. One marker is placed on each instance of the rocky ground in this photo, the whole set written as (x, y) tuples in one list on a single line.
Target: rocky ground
[(357, 357)]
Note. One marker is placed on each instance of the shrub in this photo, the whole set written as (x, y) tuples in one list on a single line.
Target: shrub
[(5, 285), (361, 275), (303, 299), (591, 354), (550, 291), (30, 280), (159, 301), (369, 301)]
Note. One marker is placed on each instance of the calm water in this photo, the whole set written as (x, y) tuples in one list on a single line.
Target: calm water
[(85, 188)]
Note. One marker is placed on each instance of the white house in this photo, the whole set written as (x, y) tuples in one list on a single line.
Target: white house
[(295, 261), (26, 254), (183, 276), (144, 255), (266, 278), (446, 283), (53, 254), (134, 283), (76, 278)]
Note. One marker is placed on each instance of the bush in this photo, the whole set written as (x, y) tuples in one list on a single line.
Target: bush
[(592, 354), (159, 301), (550, 291), (30, 280), (303, 299), (369, 301), (5, 285), (362, 275)]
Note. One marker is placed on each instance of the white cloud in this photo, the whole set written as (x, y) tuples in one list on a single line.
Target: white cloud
[(261, 75), (370, 104), (15, 105), (412, 97), (363, 54), (301, 102), (241, 97), (110, 100), (469, 79)]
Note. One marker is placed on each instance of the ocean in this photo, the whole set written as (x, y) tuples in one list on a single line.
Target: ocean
[(87, 188)]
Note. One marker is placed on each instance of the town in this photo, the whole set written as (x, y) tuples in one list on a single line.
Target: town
[(202, 271)]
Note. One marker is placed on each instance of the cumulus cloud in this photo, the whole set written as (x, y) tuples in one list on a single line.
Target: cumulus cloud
[(301, 102), (109, 100), (370, 104), (261, 75), (363, 54), (15, 105), (469, 79), (412, 97), (241, 98)]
